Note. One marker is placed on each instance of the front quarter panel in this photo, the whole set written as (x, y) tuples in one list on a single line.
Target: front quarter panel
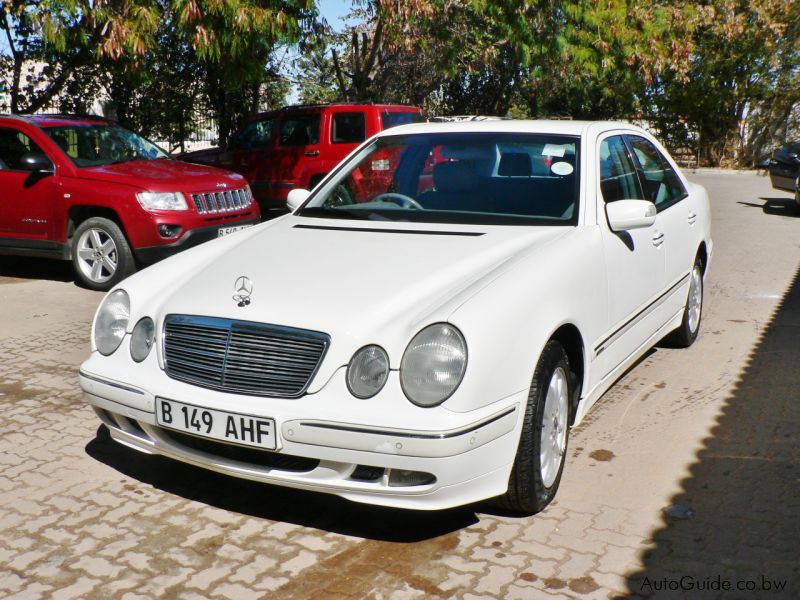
[(507, 324)]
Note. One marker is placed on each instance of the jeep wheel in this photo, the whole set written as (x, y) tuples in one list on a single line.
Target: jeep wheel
[(100, 254)]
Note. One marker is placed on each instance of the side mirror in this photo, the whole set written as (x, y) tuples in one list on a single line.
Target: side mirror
[(296, 198), (37, 163), (630, 214)]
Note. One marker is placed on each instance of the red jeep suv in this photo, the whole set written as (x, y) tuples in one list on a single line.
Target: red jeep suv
[(87, 190), (296, 146)]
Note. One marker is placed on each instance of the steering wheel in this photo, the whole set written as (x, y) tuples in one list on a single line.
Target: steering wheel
[(400, 199)]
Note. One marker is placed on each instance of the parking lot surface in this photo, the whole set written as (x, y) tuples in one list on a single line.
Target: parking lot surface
[(685, 473)]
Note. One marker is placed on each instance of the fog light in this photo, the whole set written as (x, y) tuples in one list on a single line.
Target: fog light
[(401, 477), (169, 231)]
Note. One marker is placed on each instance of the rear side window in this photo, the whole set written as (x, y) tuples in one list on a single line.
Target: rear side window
[(618, 179), (348, 128), (256, 135), (393, 119), (661, 184), (299, 130), (13, 146)]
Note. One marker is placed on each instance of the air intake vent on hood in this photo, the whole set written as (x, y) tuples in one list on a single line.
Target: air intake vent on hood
[(406, 231)]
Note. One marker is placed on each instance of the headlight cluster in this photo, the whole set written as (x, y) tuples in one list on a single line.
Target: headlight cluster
[(162, 200), (431, 370), (433, 364), (111, 323)]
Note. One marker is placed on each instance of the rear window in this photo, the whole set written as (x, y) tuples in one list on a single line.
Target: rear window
[(349, 128), (393, 119), (300, 130)]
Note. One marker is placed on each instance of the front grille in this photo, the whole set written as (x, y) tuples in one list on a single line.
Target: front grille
[(253, 456), (242, 357), (222, 202)]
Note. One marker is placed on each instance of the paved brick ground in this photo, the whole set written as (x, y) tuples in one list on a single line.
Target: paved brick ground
[(688, 466)]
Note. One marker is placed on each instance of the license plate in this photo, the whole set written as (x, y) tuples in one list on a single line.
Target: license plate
[(234, 428), (223, 231)]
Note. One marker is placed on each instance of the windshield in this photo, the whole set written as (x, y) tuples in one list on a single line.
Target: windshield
[(484, 178), (102, 144)]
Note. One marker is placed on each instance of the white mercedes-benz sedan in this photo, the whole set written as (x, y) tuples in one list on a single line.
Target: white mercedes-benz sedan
[(425, 326)]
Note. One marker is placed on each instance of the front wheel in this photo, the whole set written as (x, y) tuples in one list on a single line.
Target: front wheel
[(685, 335), (101, 254), (542, 449)]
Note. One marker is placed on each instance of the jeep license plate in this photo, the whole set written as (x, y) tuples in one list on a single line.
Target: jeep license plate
[(233, 428), (223, 231)]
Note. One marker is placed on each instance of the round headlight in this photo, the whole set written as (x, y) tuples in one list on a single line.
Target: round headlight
[(433, 364), (111, 322), (367, 371), (142, 339)]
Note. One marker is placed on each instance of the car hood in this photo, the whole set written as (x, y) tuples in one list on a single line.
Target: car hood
[(358, 282), (166, 175)]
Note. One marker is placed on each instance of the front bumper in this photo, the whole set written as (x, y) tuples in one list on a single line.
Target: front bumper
[(193, 237), (324, 448)]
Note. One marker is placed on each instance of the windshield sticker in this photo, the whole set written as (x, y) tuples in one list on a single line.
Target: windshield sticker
[(562, 168), (554, 150)]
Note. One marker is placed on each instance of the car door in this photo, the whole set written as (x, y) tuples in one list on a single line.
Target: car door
[(26, 198), (635, 261), (298, 144), (677, 216)]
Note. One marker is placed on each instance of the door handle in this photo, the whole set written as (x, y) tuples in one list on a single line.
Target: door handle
[(312, 152), (692, 218), (658, 239)]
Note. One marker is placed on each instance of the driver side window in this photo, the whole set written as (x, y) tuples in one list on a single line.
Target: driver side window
[(13, 146)]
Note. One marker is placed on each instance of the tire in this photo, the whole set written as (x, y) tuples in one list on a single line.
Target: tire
[(797, 195), (542, 449), (685, 335), (101, 255)]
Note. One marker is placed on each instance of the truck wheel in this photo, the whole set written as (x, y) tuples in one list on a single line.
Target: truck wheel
[(542, 449), (101, 255)]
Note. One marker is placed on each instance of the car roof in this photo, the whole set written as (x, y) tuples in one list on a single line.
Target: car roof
[(338, 105), (563, 127), (58, 120)]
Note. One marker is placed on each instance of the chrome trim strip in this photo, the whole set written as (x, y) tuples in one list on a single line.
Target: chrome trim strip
[(409, 434), (637, 317), (111, 383)]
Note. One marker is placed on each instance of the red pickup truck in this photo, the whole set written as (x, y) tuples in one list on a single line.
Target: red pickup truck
[(87, 190), (296, 146)]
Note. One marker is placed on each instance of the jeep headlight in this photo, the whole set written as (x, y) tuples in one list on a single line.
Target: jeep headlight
[(162, 200), (367, 371), (433, 364), (111, 322)]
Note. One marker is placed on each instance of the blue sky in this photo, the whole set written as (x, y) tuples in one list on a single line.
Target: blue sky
[(333, 11)]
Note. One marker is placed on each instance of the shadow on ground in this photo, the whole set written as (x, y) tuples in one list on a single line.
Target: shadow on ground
[(738, 514), (310, 509), (785, 207), (26, 267)]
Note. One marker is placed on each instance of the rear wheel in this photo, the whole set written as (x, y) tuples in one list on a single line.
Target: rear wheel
[(101, 254), (797, 194), (542, 448), (685, 335)]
